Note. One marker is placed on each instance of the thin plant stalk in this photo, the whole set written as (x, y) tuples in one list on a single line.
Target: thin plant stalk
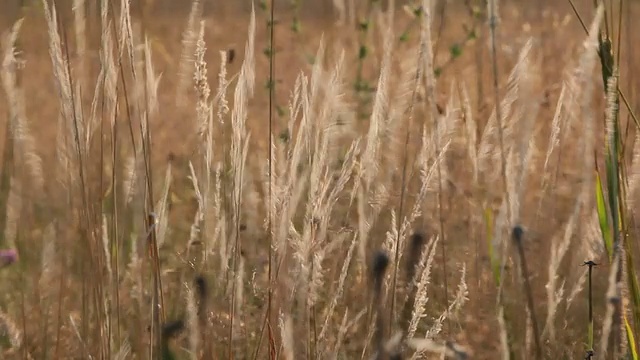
[(380, 265), (405, 164), (493, 25), (591, 264), (272, 94), (436, 124), (620, 92), (517, 235), (269, 317)]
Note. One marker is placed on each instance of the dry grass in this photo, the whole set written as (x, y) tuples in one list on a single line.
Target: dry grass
[(163, 197)]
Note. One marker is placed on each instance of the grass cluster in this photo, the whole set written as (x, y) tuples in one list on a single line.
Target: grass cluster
[(332, 234)]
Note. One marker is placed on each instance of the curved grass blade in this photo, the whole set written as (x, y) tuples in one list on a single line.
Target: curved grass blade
[(633, 352), (603, 217), (495, 263)]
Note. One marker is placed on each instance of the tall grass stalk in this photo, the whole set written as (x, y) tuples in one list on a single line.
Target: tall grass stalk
[(272, 94), (517, 236), (409, 112), (591, 265), (430, 88), (493, 17), (493, 29)]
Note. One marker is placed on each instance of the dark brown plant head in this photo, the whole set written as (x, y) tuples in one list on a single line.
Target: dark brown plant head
[(414, 251), (171, 329), (231, 54), (201, 288), (379, 266), (378, 269), (517, 234)]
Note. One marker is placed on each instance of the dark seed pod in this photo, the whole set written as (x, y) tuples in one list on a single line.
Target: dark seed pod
[(172, 329), (378, 268), (380, 263), (415, 250), (231, 54), (517, 234), (201, 288)]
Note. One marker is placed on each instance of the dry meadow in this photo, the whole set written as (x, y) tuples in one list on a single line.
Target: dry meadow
[(316, 179)]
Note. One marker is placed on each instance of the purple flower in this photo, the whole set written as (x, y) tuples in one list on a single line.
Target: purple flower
[(8, 257)]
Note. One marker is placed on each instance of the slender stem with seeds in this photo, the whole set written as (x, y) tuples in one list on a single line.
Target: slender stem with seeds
[(436, 124), (405, 160), (493, 24), (622, 95), (270, 175), (591, 264), (442, 16), (271, 275)]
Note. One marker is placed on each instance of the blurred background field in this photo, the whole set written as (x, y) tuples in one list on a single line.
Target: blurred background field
[(64, 298)]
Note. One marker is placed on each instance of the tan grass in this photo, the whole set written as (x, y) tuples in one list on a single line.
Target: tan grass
[(113, 245)]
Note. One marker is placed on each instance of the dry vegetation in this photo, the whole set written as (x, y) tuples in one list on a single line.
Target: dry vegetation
[(424, 179)]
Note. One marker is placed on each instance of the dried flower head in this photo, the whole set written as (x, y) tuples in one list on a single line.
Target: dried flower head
[(8, 257)]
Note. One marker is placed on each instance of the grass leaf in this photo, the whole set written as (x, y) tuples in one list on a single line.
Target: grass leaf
[(603, 217), (495, 262), (630, 339)]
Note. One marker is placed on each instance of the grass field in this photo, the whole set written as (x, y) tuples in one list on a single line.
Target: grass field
[(319, 179)]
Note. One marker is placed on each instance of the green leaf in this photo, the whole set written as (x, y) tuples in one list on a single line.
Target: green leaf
[(284, 136), (603, 217), (630, 339), (613, 187), (477, 12), (455, 50), (311, 59), (363, 25), (590, 335), (269, 84), (605, 52), (363, 52), (495, 264), (295, 25)]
